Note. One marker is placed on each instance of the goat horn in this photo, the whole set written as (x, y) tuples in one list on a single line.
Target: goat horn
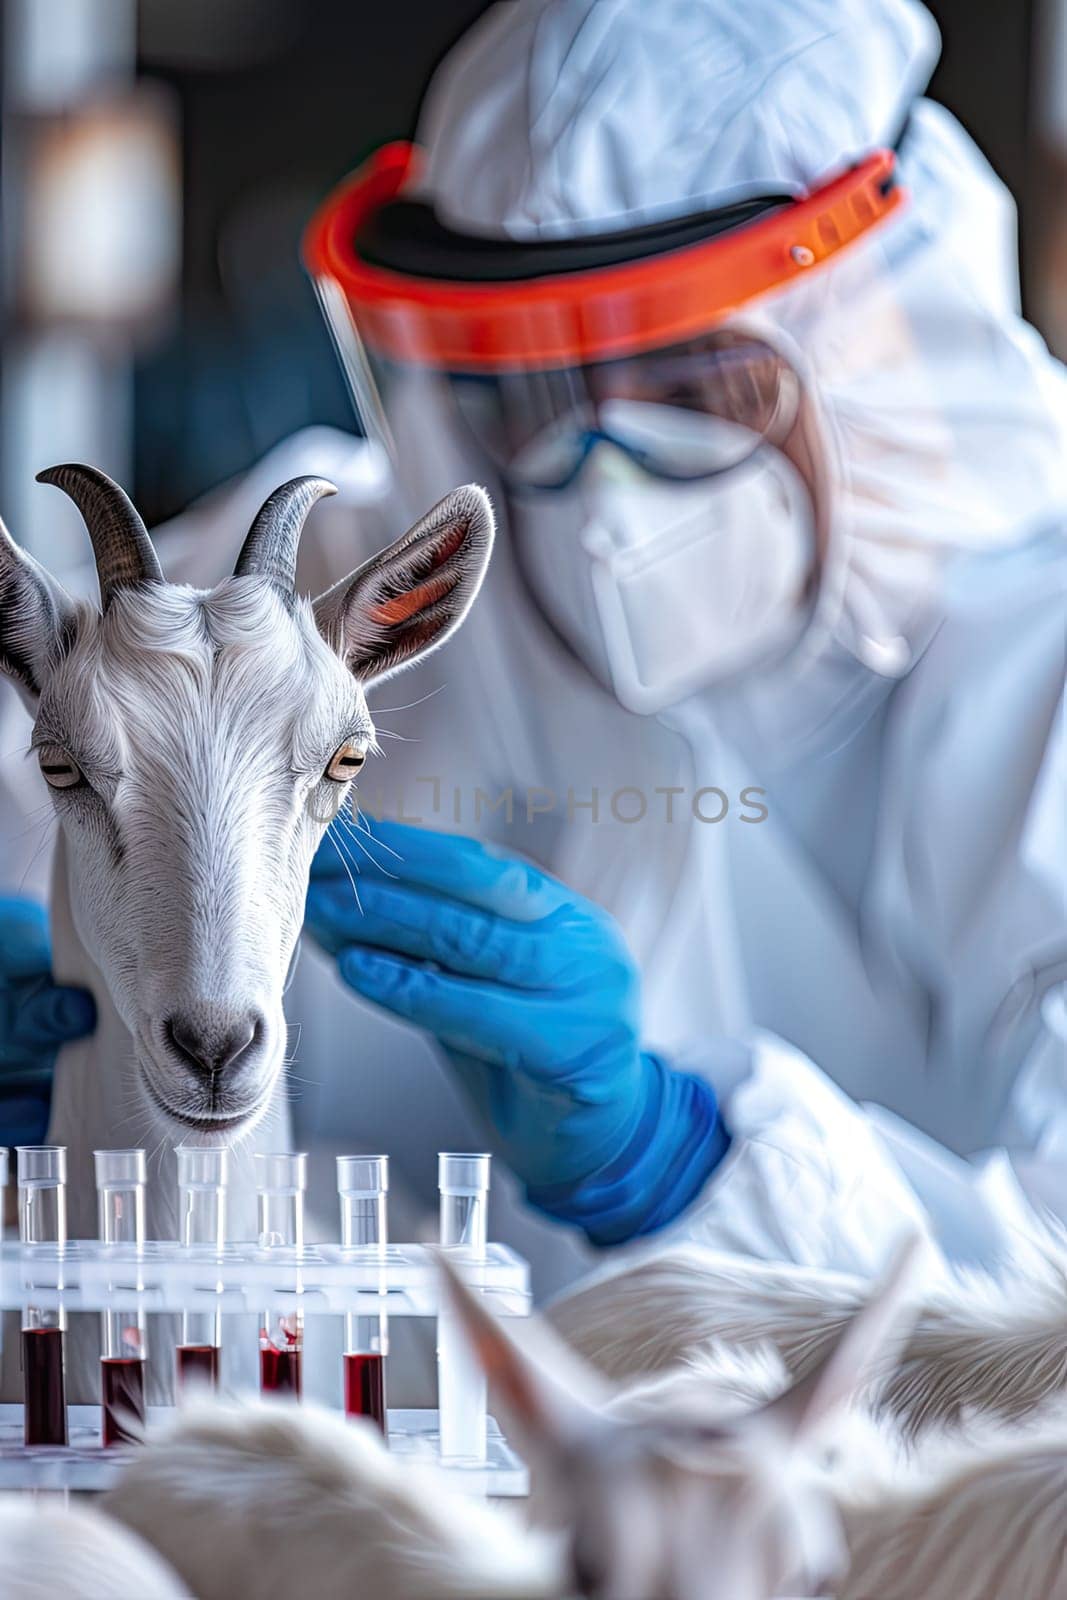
[(270, 548), (123, 550)]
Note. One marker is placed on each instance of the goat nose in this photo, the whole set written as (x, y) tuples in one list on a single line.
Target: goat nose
[(210, 1049)]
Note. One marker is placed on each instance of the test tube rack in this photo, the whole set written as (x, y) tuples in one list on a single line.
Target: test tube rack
[(318, 1279)]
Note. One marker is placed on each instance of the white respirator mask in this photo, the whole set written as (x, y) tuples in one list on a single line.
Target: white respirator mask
[(663, 587)]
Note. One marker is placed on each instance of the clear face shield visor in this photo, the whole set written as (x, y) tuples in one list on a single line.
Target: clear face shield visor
[(552, 347), (654, 446)]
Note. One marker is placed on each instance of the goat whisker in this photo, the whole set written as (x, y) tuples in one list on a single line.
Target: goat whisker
[(348, 871), (411, 704)]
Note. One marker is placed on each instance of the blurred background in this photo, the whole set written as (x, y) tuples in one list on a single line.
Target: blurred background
[(159, 159)]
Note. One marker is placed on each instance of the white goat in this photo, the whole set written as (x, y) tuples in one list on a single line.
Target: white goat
[(684, 1490), (196, 742)]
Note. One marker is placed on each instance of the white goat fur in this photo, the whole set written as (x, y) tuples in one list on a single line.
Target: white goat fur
[(985, 1346), (983, 1517), (49, 1551), (281, 1501), (278, 1503)]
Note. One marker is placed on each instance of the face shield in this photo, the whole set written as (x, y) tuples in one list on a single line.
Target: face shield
[(654, 443)]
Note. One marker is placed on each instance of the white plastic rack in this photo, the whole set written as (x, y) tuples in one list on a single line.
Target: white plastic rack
[(401, 1280), (85, 1275)]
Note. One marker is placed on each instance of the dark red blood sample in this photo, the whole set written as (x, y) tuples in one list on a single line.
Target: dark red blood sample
[(44, 1386), (199, 1364), (123, 1397), (365, 1387), (280, 1371)]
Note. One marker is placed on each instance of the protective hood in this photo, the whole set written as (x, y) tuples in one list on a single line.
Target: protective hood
[(582, 116)]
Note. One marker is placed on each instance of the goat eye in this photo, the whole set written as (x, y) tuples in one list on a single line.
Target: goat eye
[(57, 769), (345, 763)]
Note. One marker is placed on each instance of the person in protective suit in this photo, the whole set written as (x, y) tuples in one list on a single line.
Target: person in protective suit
[(735, 900)]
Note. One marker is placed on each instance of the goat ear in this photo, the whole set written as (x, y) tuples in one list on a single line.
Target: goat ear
[(407, 600), (853, 1356), (546, 1394), (33, 610)]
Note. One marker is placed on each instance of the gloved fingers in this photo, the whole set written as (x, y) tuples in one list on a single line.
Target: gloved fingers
[(417, 922), (25, 947), (49, 1015), (477, 1018), (451, 864)]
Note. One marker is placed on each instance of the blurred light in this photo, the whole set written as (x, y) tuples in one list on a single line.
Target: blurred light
[(57, 50), (102, 227)]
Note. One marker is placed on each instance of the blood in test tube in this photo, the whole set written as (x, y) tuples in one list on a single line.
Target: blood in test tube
[(365, 1386), (121, 1176), (198, 1364), (280, 1371), (281, 1178), (45, 1409), (363, 1191), (202, 1178), (42, 1177), (122, 1401)]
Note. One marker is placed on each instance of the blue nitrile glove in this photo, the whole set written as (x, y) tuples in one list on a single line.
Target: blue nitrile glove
[(36, 1017), (533, 994)]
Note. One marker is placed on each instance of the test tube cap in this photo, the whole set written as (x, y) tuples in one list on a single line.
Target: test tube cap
[(119, 1169), (459, 1173), (41, 1166), (281, 1172), (202, 1166), (368, 1175)]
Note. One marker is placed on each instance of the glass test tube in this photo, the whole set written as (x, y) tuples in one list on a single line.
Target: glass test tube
[(463, 1183), (42, 1181), (280, 1183), (120, 1183), (202, 1177), (363, 1187)]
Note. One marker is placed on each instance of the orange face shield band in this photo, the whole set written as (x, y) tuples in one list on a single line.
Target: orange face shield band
[(575, 318)]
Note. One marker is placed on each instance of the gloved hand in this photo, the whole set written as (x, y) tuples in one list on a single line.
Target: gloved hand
[(36, 1017), (536, 1000)]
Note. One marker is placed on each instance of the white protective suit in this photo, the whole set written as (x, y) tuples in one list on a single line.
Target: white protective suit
[(873, 976)]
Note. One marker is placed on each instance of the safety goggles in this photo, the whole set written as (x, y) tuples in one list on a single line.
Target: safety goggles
[(682, 414), (412, 290)]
